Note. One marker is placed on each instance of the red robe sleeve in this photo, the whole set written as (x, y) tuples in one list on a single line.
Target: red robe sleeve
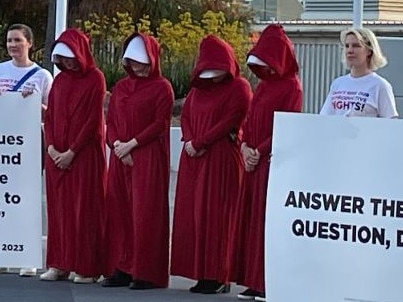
[(291, 102), (234, 115), (162, 118), (265, 147), (111, 127), (94, 108), (187, 132), (48, 124), (246, 130)]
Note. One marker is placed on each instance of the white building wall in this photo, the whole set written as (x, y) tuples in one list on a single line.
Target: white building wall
[(343, 10)]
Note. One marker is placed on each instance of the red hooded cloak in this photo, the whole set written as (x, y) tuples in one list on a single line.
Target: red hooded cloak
[(137, 229), (75, 196), (207, 185), (279, 91)]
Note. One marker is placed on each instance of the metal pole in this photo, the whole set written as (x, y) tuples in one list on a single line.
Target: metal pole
[(61, 23), (358, 9)]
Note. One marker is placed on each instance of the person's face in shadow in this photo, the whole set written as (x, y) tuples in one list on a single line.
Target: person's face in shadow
[(69, 63), (140, 69)]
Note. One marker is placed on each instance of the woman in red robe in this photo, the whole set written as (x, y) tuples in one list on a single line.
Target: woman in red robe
[(209, 169), (75, 165), (273, 60), (138, 125)]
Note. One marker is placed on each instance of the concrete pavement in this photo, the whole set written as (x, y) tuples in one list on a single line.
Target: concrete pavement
[(31, 289)]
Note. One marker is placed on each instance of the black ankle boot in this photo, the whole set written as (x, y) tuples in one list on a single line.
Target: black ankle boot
[(141, 284), (200, 285), (118, 279), (215, 287)]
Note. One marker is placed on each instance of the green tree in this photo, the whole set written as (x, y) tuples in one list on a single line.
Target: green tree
[(180, 42), (157, 10)]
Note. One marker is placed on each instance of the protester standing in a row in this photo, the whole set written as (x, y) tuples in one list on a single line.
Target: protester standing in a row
[(137, 228), (209, 170), (362, 92), (23, 75), (75, 165), (273, 61)]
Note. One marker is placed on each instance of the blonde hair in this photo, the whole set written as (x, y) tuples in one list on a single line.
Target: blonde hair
[(367, 39)]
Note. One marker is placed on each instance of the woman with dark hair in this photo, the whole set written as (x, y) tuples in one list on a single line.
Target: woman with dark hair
[(19, 42), (23, 75)]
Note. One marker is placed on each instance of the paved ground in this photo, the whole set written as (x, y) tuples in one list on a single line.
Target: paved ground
[(30, 289)]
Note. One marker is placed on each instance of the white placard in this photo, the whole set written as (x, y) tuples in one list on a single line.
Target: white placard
[(334, 216), (20, 180)]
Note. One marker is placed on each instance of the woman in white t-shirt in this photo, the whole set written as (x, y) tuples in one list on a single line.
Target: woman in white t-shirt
[(12, 73), (19, 42), (362, 92)]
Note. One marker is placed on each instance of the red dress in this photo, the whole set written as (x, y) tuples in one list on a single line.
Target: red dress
[(75, 197), (207, 185), (280, 91), (137, 228)]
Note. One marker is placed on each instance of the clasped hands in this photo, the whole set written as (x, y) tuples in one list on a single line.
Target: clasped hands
[(191, 151), (250, 157), (62, 160), (122, 151)]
